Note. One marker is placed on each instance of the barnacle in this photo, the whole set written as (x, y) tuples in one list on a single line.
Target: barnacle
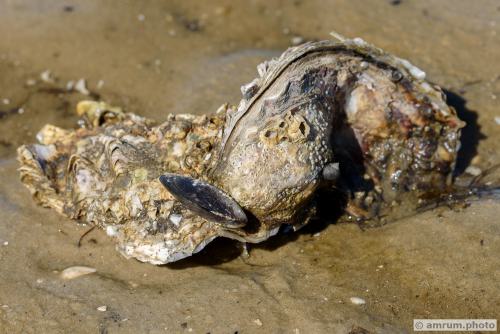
[(324, 114)]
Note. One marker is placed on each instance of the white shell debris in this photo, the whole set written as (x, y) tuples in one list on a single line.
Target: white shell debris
[(175, 219), (76, 271), (5, 243), (357, 301), (412, 69), (111, 230), (81, 87), (497, 120), (102, 308), (46, 76), (257, 322), (473, 170)]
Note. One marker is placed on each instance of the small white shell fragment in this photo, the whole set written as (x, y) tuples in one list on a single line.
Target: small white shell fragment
[(257, 322), (497, 120), (414, 71), (473, 170), (102, 308), (5, 101), (81, 87), (46, 76), (69, 85), (357, 301), (175, 219), (76, 271), (111, 230), (297, 40), (5, 243)]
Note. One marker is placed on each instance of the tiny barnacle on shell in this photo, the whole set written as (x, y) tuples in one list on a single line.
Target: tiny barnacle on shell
[(330, 114)]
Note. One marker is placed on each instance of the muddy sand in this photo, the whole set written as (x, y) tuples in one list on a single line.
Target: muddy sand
[(157, 57)]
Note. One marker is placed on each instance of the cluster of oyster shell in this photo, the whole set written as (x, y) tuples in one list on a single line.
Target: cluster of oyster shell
[(342, 115)]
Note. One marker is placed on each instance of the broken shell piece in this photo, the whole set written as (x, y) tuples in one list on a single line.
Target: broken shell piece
[(81, 87), (76, 271)]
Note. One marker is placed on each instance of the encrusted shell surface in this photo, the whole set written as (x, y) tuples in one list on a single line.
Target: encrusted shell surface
[(322, 110)]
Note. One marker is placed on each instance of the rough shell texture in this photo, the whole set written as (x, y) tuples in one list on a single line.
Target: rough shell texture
[(319, 106)]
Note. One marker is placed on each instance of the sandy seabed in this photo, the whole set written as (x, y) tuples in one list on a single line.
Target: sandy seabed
[(154, 58)]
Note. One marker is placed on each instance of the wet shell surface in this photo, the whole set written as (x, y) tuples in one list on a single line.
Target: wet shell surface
[(340, 115)]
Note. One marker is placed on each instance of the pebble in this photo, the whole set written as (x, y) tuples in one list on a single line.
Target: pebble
[(100, 83), (5, 101), (5, 243), (141, 17), (258, 322), (102, 308), (497, 120), (357, 301), (76, 271), (473, 170), (30, 82)]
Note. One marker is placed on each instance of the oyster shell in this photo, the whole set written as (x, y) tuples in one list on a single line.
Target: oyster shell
[(342, 115)]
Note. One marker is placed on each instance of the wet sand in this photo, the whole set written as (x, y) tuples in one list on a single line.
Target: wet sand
[(185, 56)]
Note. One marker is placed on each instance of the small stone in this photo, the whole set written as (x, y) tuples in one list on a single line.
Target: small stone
[(102, 308), (5, 101), (357, 301), (100, 83), (141, 17), (30, 82), (39, 281), (5, 243), (257, 322), (497, 120), (473, 170), (20, 111), (316, 234)]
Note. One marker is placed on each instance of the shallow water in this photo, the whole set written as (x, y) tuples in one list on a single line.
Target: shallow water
[(187, 56)]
